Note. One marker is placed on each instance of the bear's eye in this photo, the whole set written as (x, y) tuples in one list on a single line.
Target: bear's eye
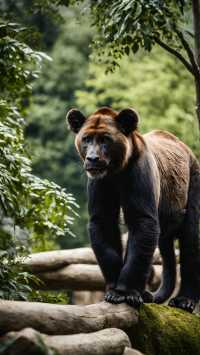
[(87, 139), (105, 139)]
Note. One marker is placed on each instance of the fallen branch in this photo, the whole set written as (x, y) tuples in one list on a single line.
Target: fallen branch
[(29, 341)]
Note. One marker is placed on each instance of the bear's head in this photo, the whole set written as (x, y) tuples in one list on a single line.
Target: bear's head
[(104, 140)]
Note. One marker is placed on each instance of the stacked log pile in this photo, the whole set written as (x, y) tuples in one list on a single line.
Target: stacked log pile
[(30, 328), (77, 270), (33, 328)]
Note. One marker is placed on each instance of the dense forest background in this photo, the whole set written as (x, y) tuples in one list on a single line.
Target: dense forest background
[(155, 84), (47, 66)]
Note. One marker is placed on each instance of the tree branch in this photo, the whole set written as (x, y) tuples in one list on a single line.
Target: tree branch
[(190, 53), (178, 55), (196, 26)]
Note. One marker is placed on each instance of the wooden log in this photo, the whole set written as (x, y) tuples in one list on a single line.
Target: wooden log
[(129, 351), (156, 330), (53, 260), (82, 277), (73, 277), (60, 319), (110, 341)]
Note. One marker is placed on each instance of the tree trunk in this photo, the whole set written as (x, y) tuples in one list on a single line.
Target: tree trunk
[(196, 26), (197, 86), (155, 330)]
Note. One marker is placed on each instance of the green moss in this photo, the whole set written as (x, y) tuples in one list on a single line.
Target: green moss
[(163, 330)]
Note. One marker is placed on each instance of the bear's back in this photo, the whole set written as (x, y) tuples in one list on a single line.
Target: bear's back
[(174, 160)]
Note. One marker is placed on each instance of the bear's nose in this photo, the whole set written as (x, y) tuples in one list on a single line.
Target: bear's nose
[(92, 158)]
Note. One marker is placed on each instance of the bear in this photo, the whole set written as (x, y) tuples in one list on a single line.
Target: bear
[(155, 179)]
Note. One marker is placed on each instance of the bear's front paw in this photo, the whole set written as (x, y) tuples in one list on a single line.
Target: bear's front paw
[(134, 299), (115, 297), (147, 297), (185, 303)]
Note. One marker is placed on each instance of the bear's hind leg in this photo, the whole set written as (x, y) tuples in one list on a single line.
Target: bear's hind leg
[(189, 293), (166, 246)]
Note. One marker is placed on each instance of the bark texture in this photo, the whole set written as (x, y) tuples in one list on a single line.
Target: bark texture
[(59, 319)]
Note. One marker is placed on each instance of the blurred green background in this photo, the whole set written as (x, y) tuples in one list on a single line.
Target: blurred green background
[(38, 160), (155, 84)]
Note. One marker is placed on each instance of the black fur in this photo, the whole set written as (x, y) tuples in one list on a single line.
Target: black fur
[(75, 119), (150, 222), (189, 241), (127, 120), (133, 189)]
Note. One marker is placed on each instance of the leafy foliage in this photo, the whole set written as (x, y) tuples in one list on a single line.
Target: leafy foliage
[(40, 207), (155, 85), (52, 144), (13, 280), (125, 26)]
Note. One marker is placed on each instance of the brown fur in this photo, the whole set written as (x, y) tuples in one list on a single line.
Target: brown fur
[(101, 122), (159, 183), (173, 158)]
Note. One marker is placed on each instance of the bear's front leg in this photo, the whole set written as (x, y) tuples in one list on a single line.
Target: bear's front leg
[(105, 235), (106, 244), (134, 274)]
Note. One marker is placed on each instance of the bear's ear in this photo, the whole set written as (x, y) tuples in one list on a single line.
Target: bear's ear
[(127, 120), (75, 120)]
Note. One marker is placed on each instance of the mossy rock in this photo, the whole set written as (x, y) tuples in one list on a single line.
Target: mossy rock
[(164, 330)]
